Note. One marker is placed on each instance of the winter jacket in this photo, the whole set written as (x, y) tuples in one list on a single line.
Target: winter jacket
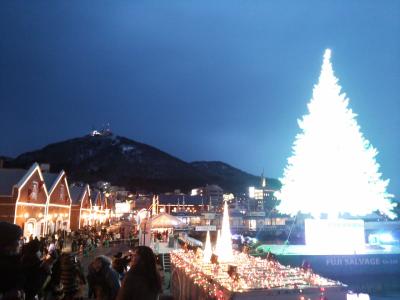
[(136, 287), (105, 283), (35, 275), (70, 274), (11, 274)]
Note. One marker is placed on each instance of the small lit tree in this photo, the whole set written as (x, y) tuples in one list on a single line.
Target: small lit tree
[(333, 168)]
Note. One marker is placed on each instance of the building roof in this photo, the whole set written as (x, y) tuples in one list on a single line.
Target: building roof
[(164, 220), (9, 178), (175, 199), (93, 196), (50, 179), (76, 193), (16, 177), (213, 187)]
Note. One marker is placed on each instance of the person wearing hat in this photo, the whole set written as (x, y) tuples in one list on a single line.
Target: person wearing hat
[(21, 276), (12, 279)]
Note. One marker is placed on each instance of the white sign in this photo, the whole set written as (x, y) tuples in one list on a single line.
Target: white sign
[(338, 234), (122, 208), (209, 216), (257, 214), (206, 228)]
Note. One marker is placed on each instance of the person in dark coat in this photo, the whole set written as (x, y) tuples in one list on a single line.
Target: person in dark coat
[(142, 281), (104, 280), (74, 246), (53, 289), (11, 276), (118, 264), (92, 279), (71, 275), (35, 271)]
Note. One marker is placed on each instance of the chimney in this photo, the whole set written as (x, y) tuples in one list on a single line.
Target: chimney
[(45, 168)]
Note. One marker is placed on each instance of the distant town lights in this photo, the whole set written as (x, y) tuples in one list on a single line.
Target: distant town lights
[(251, 191)]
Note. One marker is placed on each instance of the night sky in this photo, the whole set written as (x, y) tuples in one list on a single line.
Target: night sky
[(202, 80)]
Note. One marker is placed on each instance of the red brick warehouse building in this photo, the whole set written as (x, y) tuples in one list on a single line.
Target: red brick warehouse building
[(59, 202), (81, 209), (23, 199)]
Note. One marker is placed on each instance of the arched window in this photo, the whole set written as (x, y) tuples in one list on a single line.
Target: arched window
[(30, 227)]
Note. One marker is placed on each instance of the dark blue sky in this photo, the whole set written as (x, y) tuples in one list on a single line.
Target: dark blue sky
[(202, 80)]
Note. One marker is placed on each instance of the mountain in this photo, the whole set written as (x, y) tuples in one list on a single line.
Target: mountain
[(218, 171), (4, 160), (131, 164)]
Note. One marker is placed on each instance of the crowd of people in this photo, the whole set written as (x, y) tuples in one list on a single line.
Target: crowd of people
[(161, 236), (82, 241), (39, 269)]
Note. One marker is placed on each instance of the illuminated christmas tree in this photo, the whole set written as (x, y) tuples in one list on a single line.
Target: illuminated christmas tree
[(207, 249), (224, 241), (333, 168)]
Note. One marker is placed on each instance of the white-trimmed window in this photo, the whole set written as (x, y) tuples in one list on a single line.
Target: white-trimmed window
[(62, 192), (34, 191)]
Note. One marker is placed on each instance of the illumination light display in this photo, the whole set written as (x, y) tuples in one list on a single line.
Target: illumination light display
[(332, 169), (337, 236), (252, 273), (207, 248), (217, 246), (224, 242)]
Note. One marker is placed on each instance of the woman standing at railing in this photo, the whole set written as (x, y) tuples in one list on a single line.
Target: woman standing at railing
[(143, 280)]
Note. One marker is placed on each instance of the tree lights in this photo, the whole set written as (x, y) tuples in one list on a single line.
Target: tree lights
[(251, 274), (333, 168), (235, 272), (207, 249), (224, 249)]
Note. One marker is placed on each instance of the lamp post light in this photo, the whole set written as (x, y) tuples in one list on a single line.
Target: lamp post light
[(144, 233)]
